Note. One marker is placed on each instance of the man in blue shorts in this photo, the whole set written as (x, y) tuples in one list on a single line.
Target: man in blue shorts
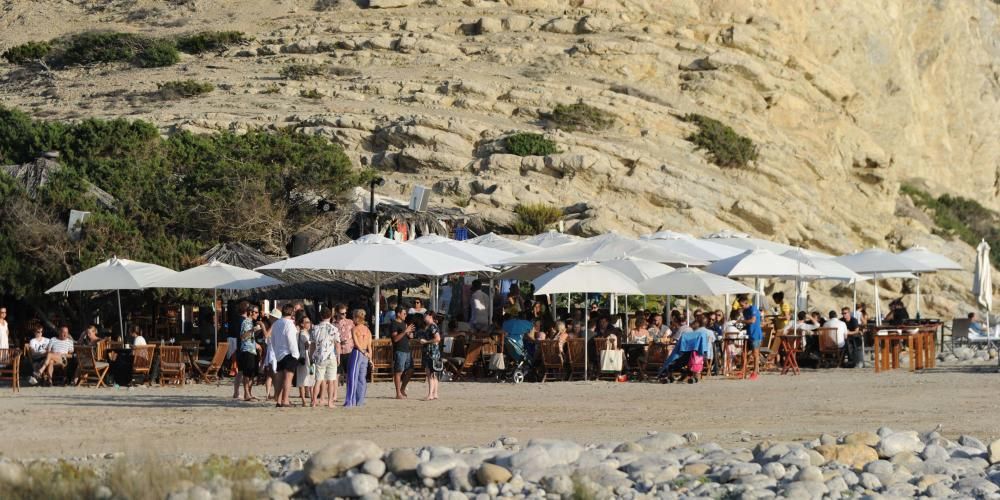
[(752, 320)]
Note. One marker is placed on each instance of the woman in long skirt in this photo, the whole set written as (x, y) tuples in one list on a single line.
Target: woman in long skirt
[(304, 379), (357, 364)]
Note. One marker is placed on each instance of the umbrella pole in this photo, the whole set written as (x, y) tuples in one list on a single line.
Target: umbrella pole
[(854, 310), (215, 316), (795, 319), (626, 313), (378, 290), (918, 296), (878, 305), (489, 308), (586, 339), (121, 319)]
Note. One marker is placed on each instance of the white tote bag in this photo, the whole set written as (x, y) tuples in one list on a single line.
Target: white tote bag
[(497, 363), (611, 361)]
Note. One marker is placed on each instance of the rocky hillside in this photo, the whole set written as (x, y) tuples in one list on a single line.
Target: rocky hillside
[(845, 101)]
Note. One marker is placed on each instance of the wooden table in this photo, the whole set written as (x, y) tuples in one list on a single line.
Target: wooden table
[(728, 363), (791, 345), (920, 344)]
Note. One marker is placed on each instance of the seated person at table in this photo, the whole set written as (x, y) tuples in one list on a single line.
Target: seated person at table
[(815, 319), (89, 336), (802, 323), (897, 314), (137, 338), (39, 348), (658, 332), (852, 323), (835, 322), (976, 326), (688, 356), (58, 353), (639, 334)]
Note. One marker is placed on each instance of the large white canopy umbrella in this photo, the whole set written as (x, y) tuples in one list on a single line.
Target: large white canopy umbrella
[(879, 264), (706, 250), (691, 282), (982, 282), (484, 255), (217, 276), (937, 261), (603, 248), (375, 253), (493, 240), (637, 270), (551, 239), (760, 263), (585, 277), (114, 274)]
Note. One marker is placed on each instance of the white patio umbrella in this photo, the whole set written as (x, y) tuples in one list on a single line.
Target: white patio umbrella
[(217, 276), (691, 282), (982, 282), (706, 250), (374, 253), (493, 240), (637, 270), (114, 274), (585, 277), (831, 270), (879, 264), (551, 239), (937, 261), (603, 248)]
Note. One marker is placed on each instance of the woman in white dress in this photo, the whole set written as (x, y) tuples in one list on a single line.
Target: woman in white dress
[(4, 329), (304, 379)]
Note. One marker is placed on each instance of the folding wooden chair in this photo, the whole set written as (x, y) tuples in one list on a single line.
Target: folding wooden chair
[(88, 365), (830, 354), (655, 357), (577, 354), (770, 348), (172, 366), (142, 361), (208, 371), (10, 367), (381, 360), (473, 354), (552, 361), (417, 351)]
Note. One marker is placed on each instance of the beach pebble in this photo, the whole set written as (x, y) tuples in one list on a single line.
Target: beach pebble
[(374, 467), (662, 441), (460, 478), (12, 473), (103, 493), (870, 481), (774, 470), (278, 490), (935, 452), (993, 452), (810, 473), (490, 473), (351, 486), (797, 457), (438, 466), (865, 438), (898, 442), (971, 442), (402, 462), (339, 458)]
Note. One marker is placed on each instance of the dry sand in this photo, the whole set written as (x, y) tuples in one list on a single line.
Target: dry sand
[(201, 419)]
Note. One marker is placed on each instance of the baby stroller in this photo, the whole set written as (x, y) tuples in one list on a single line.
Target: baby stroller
[(518, 364)]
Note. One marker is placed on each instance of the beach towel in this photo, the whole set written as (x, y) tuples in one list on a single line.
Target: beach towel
[(357, 379)]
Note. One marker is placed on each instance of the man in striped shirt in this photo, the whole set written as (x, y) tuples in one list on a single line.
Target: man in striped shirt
[(58, 353)]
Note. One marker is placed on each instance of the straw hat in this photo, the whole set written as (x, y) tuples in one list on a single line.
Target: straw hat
[(276, 313)]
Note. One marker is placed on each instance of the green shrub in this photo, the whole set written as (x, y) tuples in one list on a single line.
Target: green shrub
[(183, 88), (205, 41), (960, 217), (109, 46), (27, 52), (724, 145), (310, 94), (534, 218), (527, 144), (271, 89), (579, 116), (301, 71)]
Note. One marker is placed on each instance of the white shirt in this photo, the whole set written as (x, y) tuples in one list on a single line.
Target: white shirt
[(285, 339), (841, 330), (4, 336), (803, 326), (39, 345), (139, 340), (480, 311), (57, 346)]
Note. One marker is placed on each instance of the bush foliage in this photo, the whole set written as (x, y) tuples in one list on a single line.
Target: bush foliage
[(528, 144), (175, 196), (966, 219), (183, 88), (301, 71), (725, 147), (534, 218), (579, 116), (27, 52), (205, 41)]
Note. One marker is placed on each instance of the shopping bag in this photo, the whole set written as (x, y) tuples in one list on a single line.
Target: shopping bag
[(611, 361), (497, 363)]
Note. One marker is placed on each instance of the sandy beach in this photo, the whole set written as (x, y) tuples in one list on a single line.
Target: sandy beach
[(200, 420)]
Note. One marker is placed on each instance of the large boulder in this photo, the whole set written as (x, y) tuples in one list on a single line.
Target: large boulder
[(899, 442), (334, 460), (855, 455)]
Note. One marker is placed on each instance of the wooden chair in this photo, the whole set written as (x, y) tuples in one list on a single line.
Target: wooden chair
[(142, 361), (172, 366), (208, 371), (100, 353), (381, 360), (552, 361), (577, 354), (769, 350), (88, 365), (830, 354), (473, 355), (10, 367), (417, 351), (655, 357)]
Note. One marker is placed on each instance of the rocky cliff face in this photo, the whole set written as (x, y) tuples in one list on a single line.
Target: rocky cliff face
[(845, 99)]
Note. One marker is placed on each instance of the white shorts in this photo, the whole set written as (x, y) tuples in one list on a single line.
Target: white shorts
[(327, 370)]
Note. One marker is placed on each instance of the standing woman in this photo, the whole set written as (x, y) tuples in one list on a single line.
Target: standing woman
[(4, 329), (357, 364), (431, 340), (249, 351), (303, 378)]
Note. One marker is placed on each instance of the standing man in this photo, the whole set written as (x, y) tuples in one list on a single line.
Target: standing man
[(326, 337), (345, 326), (783, 311), (402, 362), (480, 313), (752, 320), (285, 340)]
